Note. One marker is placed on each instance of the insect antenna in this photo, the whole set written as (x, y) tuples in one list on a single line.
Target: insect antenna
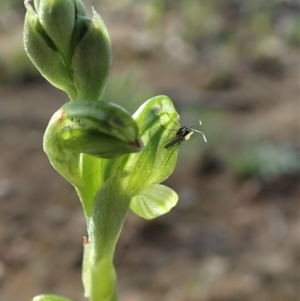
[(197, 131), (204, 137)]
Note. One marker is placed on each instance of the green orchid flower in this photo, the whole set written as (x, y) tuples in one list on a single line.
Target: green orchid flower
[(130, 181), (115, 161), (98, 128)]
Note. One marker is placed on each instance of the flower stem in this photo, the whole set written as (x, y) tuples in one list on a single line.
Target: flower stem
[(90, 174), (103, 282), (110, 208)]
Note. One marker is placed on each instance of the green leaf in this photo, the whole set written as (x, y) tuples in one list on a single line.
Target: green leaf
[(153, 200)]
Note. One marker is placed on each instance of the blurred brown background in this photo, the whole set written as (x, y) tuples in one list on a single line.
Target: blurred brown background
[(235, 234)]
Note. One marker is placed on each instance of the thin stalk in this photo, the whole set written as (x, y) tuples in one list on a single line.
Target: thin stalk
[(110, 208), (90, 174)]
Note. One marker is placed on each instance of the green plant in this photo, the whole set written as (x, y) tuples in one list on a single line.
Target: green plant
[(112, 159)]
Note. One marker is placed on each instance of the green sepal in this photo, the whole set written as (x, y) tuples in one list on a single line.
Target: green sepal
[(65, 161), (80, 9), (44, 55), (50, 298), (71, 51), (81, 26), (92, 58), (97, 128), (153, 200), (57, 19)]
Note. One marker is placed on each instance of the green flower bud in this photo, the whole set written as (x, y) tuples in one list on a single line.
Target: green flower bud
[(97, 128), (70, 50), (57, 19), (44, 54), (91, 58)]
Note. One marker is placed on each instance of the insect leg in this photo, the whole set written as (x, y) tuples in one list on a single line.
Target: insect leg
[(173, 152), (174, 121)]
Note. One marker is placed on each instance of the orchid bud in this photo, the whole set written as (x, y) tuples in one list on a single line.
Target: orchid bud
[(91, 59), (70, 50), (44, 53)]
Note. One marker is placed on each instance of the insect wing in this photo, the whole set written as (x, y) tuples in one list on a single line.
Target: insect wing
[(175, 141)]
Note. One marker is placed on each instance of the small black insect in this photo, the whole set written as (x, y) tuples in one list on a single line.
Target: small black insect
[(182, 134)]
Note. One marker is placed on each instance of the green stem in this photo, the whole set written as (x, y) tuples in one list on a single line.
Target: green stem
[(90, 174), (110, 208), (103, 282)]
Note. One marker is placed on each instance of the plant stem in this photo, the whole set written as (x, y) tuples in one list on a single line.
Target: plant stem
[(110, 208), (103, 282), (90, 174)]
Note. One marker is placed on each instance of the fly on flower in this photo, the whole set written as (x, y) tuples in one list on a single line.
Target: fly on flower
[(182, 134)]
